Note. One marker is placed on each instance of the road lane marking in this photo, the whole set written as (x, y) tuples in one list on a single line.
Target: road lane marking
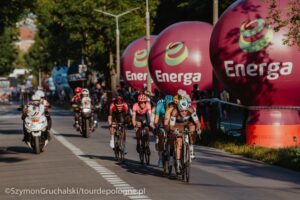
[(104, 172)]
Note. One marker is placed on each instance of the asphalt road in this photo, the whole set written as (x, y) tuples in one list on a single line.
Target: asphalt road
[(73, 167)]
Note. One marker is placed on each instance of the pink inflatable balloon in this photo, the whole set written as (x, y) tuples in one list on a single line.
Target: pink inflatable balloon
[(250, 60), (134, 63), (179, 57)]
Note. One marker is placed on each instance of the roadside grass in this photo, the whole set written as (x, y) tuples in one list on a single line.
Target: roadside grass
[(283, 157)]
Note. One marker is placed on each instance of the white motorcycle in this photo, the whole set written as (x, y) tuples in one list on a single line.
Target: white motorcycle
[(86, 118), (36, 127)]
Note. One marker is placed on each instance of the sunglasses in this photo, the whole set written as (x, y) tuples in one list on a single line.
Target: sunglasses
[(143, 102)]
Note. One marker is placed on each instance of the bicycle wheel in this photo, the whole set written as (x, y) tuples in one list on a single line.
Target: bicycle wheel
[(142, 149), (187, 164), (166, 162), (122, 154), (117, 149), (169, 157), (183, 161), (147, 154)]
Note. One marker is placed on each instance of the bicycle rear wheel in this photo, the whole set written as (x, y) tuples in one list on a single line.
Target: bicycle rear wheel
[(147, 154), (116, 150), (187, 164)]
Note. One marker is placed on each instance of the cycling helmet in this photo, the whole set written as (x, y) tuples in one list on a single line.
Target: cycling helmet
[(183, 104), (142, 98), (40, 93), (118, 100), (35, 97), (168, 99), (177, 98), (85, 91), (78, 90)]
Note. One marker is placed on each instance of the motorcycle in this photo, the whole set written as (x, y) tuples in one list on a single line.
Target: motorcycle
[(86, 118), (35, 125)]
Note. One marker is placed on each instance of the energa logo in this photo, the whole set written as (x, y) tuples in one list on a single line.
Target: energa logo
[(176, 53), (249, 41)]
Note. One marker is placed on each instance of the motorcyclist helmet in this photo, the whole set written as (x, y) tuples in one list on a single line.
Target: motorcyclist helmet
[(78, 90)]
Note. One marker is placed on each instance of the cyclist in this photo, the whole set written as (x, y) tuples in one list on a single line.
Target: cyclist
[(159, 116), (141, 113), (75, 102), (118, 110), (184, 115), (181, 94)]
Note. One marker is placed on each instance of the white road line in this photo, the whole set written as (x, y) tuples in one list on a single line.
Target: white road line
[(107, 174), (10, 116)]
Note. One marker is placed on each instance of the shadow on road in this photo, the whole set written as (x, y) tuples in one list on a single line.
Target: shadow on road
[(6, 154), (11, 131), (68, 135), (251, 168), (131, 166), (19, 149)]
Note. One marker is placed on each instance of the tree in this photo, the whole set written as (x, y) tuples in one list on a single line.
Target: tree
[(72, 29), (291, 20), (8, 50), (13, 10)]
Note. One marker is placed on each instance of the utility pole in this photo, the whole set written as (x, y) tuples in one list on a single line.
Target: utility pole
[(215, 20), (117, 39), (149, 80)]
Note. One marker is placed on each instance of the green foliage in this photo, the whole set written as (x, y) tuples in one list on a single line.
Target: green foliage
[(71, 29), (291, 20), (8, 51), (12, 10)]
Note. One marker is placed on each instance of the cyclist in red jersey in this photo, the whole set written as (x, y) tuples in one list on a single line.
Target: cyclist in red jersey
[(141, 113), (118, 110)]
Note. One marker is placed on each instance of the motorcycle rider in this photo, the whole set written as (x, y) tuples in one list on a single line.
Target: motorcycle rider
[(118, 110), (75, 102), (35, 104), (86, 93), (47, 108)]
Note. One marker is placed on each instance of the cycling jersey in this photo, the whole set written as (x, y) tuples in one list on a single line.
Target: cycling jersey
[(177, 118), (168, 115), (139, 111), (113, 108), (118, 116), (160, 110)]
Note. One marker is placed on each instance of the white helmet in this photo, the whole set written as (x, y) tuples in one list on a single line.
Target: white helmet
[(85, 91), (35, 97), (40, 93), (183, 104)]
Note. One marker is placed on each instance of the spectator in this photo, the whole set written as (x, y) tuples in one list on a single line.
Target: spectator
[(224, 96)]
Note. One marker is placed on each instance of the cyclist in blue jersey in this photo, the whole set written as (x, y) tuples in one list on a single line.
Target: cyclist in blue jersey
[(159, 116)]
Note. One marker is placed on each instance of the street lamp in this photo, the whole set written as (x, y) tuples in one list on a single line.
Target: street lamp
[(117, 36), (149, 80)]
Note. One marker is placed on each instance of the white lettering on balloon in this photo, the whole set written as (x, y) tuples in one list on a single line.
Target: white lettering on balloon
[(271, 70), (185, 78)]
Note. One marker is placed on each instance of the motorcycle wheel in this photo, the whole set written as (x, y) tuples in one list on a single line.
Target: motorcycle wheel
[(86, 128), (37, 147)]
